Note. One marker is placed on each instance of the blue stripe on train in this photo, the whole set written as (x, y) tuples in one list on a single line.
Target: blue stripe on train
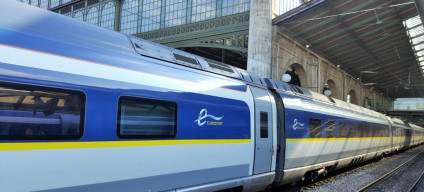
[(199, 116), (297, 122)]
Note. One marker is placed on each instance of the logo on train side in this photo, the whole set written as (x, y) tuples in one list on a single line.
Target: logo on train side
[(297, 125), (203, 114)]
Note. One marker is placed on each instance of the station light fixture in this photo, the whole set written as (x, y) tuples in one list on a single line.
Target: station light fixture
[(360, 74)]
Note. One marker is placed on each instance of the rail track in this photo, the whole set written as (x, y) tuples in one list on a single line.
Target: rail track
[(416, 183), (387, 177)]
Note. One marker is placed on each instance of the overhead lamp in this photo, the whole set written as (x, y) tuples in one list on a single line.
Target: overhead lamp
[(368, 72), (360, 74), (286, 78), (369, 84)]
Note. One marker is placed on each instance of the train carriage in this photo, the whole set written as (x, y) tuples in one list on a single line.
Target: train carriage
[(84, 108), (323, 134)]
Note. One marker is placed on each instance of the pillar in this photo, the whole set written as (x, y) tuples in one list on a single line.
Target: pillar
[(118, 11), (260, 38)]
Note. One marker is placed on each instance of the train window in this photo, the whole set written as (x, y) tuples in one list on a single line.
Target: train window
[(315, 130), (146, 118), (264, 124), (368, 132), (330, 129), (382, 132), (342, 129), (352, 130), (376, 131), (386, 131), (361, 131), (40, 113)]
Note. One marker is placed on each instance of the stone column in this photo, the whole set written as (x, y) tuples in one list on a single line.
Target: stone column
[(260, 37), (118, 11)]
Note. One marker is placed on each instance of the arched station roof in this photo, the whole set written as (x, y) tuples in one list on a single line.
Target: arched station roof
[(364, 36)]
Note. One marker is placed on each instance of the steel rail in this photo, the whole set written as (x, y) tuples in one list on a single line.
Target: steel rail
[(417, 183), (381, 179)]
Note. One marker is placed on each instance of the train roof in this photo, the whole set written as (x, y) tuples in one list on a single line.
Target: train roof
[(44, 24), (26, 19), (325, 100)]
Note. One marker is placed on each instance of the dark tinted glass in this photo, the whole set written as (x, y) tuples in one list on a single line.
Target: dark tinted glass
[(342, 129), (315, 130), (146, 118), (40, 113), (264, 124), (330, 129), (352, 130)]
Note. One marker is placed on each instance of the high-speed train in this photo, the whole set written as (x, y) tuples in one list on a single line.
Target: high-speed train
[(84, 108)]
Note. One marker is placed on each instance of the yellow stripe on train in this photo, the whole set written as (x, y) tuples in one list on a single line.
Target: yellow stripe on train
[(333, 139), (108, 144)]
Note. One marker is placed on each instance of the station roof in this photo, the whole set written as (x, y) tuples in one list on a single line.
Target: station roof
[(364, 36)]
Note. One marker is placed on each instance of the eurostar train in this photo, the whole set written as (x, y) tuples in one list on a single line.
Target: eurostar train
[(84, 108)]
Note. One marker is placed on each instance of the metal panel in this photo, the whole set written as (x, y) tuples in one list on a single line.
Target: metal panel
[(263, 130)]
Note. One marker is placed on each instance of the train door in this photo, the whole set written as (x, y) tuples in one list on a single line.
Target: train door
[(281, 138), (263, 131)]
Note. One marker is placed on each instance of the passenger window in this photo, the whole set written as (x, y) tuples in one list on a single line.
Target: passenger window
[(330, 129), (315, 130), (146, 118), (342, 129), (361, 131), (264, 124), (378, 131), (386, 131), (369, 131), (352, 130), (40, 113)]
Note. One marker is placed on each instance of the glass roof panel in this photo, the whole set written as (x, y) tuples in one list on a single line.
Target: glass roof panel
[(415, 30)]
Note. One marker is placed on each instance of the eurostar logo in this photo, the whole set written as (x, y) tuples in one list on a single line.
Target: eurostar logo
[(297, 125), (203, 114)]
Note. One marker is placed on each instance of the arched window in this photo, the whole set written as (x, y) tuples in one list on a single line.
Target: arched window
[(34, 2), (298, 75), (351, 97), (202, 10), (54, 3), (230, 7), (78, 15), (331, 85), (65, 1), (93, 16), (44, 4), (175, 12), (150, 15), (129, 17), (108, 16)]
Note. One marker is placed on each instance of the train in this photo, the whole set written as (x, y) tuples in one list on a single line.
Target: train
[(83, 108)]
